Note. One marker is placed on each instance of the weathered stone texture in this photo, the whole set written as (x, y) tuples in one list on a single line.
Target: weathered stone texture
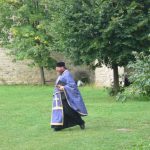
[(20, 72), (104, 76)]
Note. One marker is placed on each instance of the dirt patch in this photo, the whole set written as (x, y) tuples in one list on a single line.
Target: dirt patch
[(124, 130)]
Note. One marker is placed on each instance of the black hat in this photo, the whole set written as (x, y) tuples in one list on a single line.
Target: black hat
[(60, 64)]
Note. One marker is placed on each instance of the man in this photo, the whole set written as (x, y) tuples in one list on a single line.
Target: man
[(68, 105)]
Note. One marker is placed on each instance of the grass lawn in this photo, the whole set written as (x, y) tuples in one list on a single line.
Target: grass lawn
[(110, 125)]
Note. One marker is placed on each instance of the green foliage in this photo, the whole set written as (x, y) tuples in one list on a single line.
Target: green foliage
[(105, 30), (140, 76), (85, 30), (111, 91), (108, 31), (121, 97), (27, 34)]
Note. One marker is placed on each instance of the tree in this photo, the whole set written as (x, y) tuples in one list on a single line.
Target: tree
[(26, 25), (104, 30)]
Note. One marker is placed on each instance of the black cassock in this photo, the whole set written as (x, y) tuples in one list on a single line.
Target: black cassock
[(71, 117)]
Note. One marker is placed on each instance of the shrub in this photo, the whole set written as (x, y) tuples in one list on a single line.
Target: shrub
[(140, 77), (82, 75)]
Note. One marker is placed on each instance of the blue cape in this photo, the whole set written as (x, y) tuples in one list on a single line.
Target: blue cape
[(73, 97)]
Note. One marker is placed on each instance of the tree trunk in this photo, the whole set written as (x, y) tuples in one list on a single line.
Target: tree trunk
[(42, 75), (116, 79)]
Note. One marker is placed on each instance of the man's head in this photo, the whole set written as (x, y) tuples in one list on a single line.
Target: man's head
[(60, 67)]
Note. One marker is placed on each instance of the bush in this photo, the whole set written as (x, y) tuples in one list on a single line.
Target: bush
[(140, 77), (111, 91), (82, 75)]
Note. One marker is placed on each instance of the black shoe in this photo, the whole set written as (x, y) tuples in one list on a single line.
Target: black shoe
[(82, 126), (56, 129)]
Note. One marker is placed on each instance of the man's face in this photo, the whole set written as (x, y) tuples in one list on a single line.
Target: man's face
[(60, 70)]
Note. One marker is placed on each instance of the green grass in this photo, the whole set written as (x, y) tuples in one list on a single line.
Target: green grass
[(25, 114)]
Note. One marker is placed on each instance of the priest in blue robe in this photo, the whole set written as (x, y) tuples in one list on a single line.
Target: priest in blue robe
[(68, 106)]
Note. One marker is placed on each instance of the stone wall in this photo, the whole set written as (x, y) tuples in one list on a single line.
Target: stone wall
[(20, 72), (104, 76)]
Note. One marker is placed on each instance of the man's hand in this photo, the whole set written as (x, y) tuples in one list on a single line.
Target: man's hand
[(60, 87)]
